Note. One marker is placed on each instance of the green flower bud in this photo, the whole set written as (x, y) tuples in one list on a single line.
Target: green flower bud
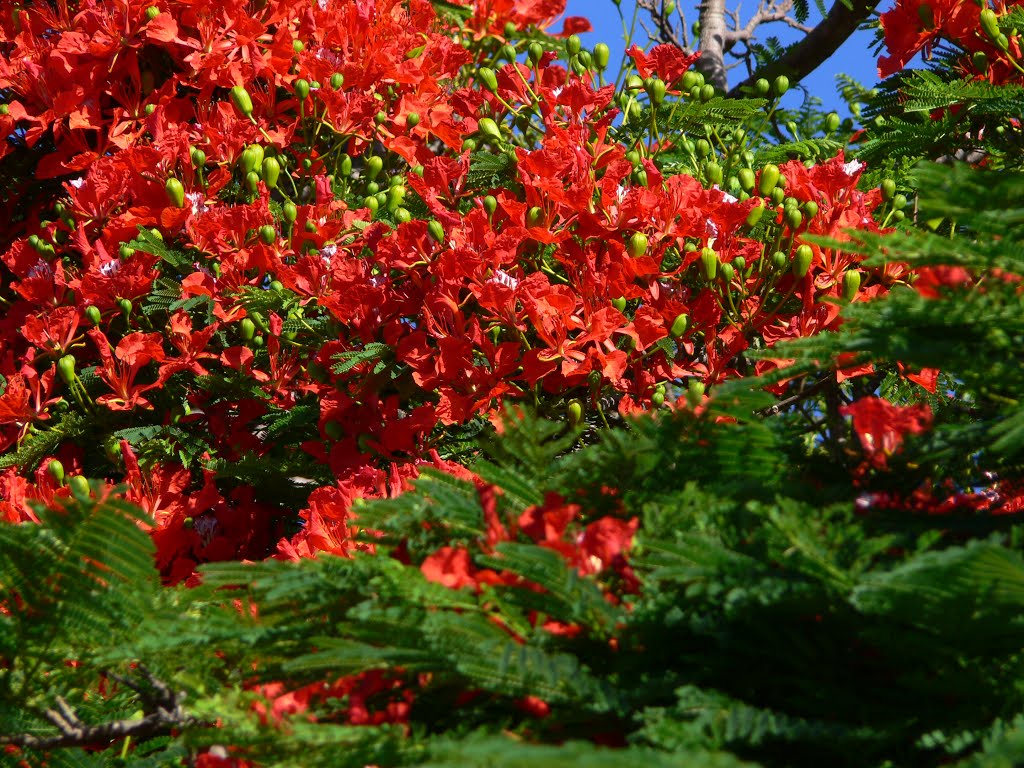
[(695, 392), (679, 325), (271, 172), (802, 260), (779, 260), (899, 201), (728, 272), (691, 80), (990, 23), (811, 209), (247, 161), (574, 412), (125, 306), (488, 78), (534, 216), (289, 212), (658, 398), (268, 234), (436, 230), (247, 329), (888, 189), (619, 303), (79, 487), (490, 204), (755, 215), (252, 182), (93, 315), (747, 179), (777, 195), (175, 192), (793, 218), (980, 61), (395, 197), (402, 216), (56, 470), (637, 245), (380, 118), (66, 368), (298, 46), (337, 80), (713, 172), (242, 100), (374, 165), (656, 91), (781, 85), (301, 87), (602, 55), (769, 179), (412, 120), (487, 127), (534, 53), (198, 158), (573, 45), (707, 92), (832, 122), (851, 284), (152, 12), (708, 264)]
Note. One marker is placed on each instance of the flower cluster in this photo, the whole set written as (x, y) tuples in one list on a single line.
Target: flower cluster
[(317, 246), (989, 52)]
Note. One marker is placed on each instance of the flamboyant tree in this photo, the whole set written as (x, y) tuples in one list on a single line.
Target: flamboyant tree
[(550, 408)]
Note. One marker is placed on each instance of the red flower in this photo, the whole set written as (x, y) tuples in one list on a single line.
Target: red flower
[(120, 368), (881, 426)]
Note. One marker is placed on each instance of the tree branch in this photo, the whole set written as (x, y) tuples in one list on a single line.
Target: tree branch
[(163, 715), (820, 43), (666, 32), (766, 14)]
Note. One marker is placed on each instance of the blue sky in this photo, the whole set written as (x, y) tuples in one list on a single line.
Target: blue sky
[(854, 58)]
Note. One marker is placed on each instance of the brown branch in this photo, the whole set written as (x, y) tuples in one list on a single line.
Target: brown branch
[(162, 710), (766, 14), (665, 31), (813, 50)]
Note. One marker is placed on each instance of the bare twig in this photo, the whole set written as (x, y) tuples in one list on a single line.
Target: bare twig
[(806, 391), (665, 32), (767, 13), (162, 714)]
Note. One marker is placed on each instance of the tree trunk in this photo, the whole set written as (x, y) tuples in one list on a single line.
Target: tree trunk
[(711, 63)]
